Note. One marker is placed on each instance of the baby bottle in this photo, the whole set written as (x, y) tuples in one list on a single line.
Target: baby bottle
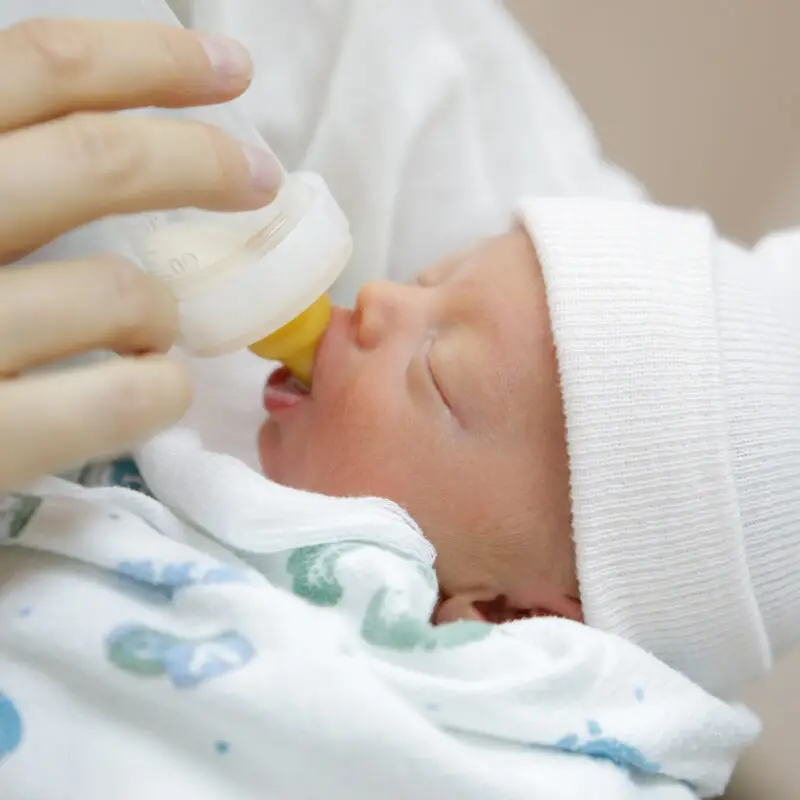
[(254, 279)]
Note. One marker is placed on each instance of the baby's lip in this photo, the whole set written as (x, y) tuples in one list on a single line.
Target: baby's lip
[(283, 392)]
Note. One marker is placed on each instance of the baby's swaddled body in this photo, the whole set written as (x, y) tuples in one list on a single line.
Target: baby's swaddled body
[(286, 649)]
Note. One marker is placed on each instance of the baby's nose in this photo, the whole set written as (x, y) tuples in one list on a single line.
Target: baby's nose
[(378, 309)]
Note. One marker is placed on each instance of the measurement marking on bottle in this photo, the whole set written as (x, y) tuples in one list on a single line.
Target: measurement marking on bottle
[(174, 267), (185, 264)]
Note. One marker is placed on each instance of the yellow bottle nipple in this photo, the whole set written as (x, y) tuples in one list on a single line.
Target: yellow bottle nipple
[(295, 344)]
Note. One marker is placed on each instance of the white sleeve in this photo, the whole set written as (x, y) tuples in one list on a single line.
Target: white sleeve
[(679, 356), (428, 119)]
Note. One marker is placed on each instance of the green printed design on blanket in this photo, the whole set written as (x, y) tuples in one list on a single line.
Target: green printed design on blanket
[(314, 578), (384, 626), (139, 650), (16, 511), (313, 572)]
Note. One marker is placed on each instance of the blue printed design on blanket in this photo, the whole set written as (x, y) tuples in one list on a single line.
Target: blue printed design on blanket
[(167, 578), (147, 652), (607, 748), (10, 727)]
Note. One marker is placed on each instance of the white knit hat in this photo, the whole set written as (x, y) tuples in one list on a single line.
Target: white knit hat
[(657, 526)]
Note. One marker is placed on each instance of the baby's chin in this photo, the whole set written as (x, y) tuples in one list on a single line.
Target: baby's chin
[(270, 454), (280, 461)]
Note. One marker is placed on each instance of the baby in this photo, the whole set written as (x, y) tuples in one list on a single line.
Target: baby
[(443, 396), (172, 640), (185, 634), (595, 415), (577, 434)]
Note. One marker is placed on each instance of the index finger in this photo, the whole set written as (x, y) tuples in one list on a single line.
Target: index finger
[(52, 67)]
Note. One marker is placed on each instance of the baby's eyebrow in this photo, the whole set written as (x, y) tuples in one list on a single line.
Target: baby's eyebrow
[(439, 273), (428, 277)]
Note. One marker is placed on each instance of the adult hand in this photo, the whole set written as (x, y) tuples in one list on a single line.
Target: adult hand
[(66, 160)]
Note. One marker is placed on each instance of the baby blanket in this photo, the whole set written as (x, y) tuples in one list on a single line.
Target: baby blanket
[(247, 640)]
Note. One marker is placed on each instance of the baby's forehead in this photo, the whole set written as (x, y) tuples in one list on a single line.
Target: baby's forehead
[(495, 288)]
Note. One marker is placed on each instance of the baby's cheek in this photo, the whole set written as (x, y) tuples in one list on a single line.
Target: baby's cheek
[(364, 457), (361, 437), (356, 418)]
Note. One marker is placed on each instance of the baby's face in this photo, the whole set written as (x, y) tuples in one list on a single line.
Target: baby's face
[(443, 396)]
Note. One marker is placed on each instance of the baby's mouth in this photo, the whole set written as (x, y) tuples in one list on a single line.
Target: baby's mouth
[(283, 391)]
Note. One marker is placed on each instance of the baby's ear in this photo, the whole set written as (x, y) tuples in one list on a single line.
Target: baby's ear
[(540, 602), (540, 599), (452, 609)]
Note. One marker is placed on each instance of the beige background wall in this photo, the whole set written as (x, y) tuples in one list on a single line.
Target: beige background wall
[(700, 99)]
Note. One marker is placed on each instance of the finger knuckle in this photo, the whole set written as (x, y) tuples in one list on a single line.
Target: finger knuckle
[(129, 294), (107, 149), (59, 46), (220, 162), (127, 407), (138, 401), (170, 49)]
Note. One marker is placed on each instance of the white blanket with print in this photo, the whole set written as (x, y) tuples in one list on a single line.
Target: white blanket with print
[(236, 639), (286, 652)]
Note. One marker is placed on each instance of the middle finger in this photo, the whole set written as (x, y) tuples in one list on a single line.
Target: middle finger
[(62, 174)]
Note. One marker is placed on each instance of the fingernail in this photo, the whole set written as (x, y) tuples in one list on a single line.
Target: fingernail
[(266, 173), (229, 59)]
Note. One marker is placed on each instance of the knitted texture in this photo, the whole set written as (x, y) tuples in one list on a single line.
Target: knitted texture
[(759, 323), (679, 361)]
